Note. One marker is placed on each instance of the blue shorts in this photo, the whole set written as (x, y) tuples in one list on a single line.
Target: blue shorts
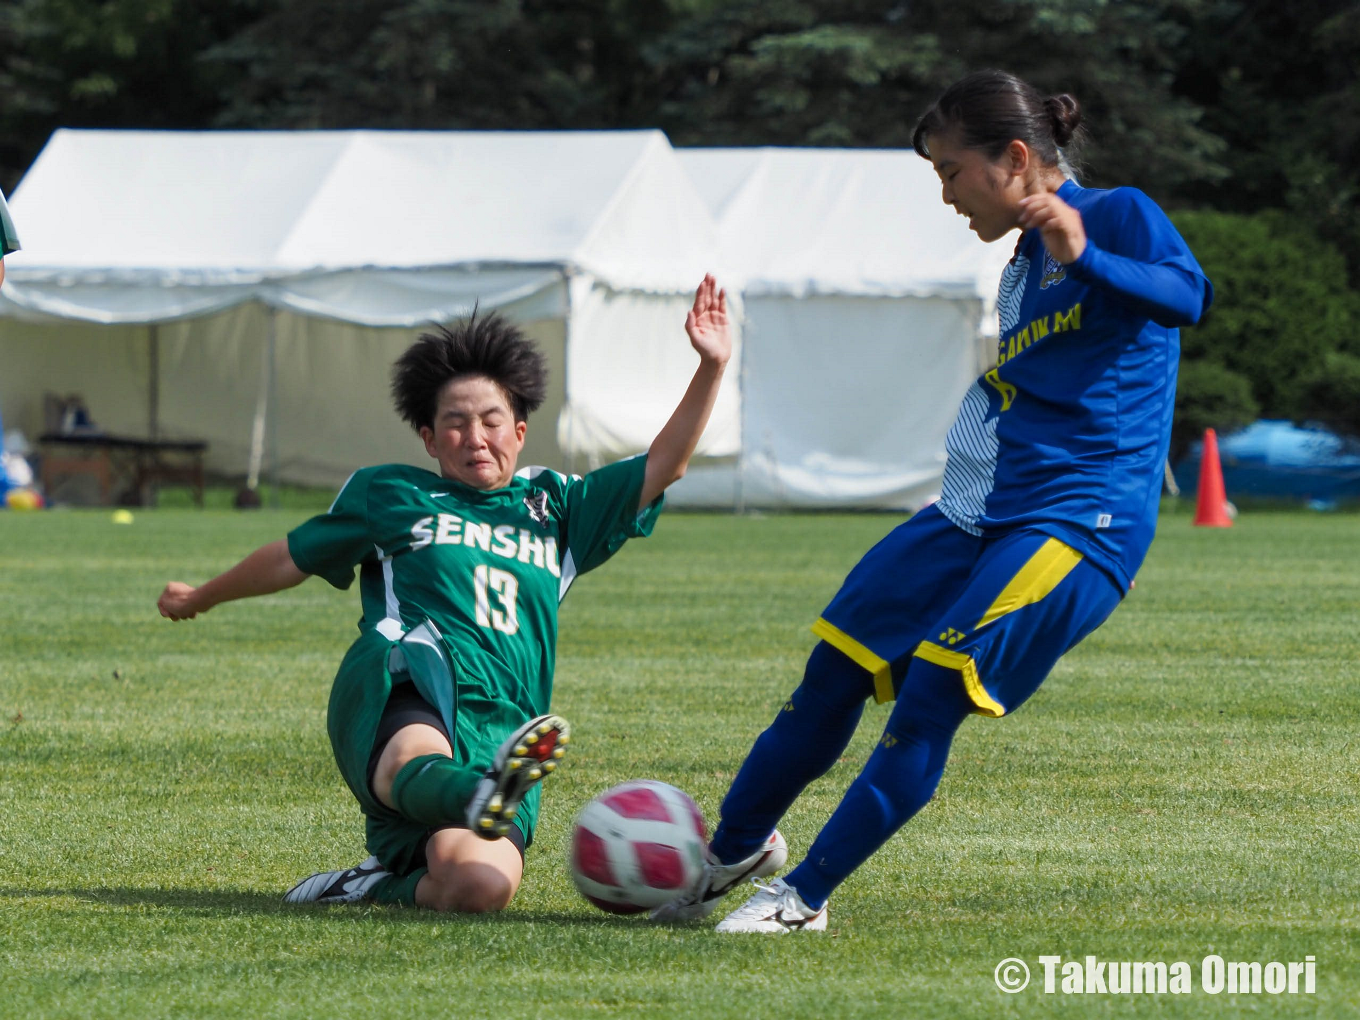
[(1000, 611)]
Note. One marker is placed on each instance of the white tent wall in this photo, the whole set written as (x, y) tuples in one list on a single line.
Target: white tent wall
[(333, 413), (854, 399), (107, 365), (628, 364), (867, 304), (846, 403), (355, 239)]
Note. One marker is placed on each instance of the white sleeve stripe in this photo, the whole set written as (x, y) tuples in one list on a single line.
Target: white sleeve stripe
[(389, 587), (342, 492), (568, 575)]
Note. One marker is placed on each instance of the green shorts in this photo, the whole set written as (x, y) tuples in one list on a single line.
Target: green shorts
[(478, 720)]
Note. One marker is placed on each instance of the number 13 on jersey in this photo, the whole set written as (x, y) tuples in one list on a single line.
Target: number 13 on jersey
[(503, 584)]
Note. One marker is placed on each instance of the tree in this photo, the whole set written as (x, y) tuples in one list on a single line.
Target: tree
[(1278, 84), (1209, 396), (105, 63), (1281, 302), (1331, 395)]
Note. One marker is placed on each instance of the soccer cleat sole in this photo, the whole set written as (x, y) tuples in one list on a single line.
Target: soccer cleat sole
[(524, 760)]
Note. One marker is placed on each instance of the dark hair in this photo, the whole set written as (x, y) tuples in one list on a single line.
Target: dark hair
[(990, 109), (489, 346)]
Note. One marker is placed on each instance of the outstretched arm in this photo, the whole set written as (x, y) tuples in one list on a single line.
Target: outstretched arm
[(268, 569), (710, 334)]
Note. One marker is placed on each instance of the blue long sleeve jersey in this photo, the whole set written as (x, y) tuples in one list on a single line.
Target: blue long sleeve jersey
[(1069, 433)]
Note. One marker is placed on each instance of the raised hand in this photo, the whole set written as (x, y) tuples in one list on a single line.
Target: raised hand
[(1060, 224), (707, 323)]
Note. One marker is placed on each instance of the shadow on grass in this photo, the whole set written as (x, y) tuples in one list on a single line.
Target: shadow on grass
[(227, 902)]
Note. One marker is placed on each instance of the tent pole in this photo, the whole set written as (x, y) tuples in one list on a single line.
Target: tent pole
[(739, 491), (256, 459), (566, 376), (148, 494), (153, 414), (271, 342)]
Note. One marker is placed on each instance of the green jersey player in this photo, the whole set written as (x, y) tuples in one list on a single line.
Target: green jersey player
[(439, 716)]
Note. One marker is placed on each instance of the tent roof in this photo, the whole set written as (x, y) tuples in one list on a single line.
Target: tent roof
[(840, 221), (126, 209)]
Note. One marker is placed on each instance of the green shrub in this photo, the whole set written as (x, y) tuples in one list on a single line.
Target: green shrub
[(1281, 303), (1332, 395), (1209, 396)]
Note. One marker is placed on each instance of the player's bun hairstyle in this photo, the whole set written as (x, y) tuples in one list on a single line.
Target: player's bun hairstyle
[(990, 109), (488, 345)]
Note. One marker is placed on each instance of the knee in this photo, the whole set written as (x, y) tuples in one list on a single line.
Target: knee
[(931, 703), (470, 889), (833, 682)]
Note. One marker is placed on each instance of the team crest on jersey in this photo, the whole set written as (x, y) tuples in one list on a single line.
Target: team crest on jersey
[(1054, 272), (537, 504)]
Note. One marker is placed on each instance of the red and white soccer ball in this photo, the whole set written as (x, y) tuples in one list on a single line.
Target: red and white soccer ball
[(636, 846)]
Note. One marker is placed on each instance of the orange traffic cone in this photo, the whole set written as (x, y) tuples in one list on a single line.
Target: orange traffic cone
[(1211, 506)]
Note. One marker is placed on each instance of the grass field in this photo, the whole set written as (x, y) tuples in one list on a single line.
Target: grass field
[(1185, 783)]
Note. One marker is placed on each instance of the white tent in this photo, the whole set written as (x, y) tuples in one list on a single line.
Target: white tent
[(869, 309), (168, 276)]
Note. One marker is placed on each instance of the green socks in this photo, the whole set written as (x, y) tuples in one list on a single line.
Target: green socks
[(399, 890), (433, 789)]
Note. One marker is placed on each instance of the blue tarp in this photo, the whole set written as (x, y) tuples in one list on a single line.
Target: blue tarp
[(1278, 459)]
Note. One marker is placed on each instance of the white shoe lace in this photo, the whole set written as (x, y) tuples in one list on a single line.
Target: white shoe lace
[(768, 896)]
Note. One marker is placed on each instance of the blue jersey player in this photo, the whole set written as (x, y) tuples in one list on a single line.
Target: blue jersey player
[(1049, 503)]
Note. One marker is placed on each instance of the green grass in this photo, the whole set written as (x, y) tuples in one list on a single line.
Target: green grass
[(1184, 783)]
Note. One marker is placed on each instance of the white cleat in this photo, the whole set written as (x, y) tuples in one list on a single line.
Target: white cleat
[(526, 757), (720, 879), (348, 886), (775, 909)]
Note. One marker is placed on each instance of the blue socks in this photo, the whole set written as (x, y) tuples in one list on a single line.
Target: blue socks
[(899, 779), (810, 733)]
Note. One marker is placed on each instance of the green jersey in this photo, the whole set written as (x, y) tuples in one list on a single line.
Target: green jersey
[(487, 570)]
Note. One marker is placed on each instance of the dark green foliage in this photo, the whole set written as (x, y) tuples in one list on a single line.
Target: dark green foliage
[(1188, 99), (435, 64), (1277, 82), (106, 64), (1332, 394), (1281, 303), (1209, 396)]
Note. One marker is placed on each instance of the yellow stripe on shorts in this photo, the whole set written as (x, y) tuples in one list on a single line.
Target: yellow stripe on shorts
[(861, 656), (1045, 570), (983, 703)]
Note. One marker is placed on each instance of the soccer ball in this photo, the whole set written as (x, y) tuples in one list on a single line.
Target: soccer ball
[(636, 846)]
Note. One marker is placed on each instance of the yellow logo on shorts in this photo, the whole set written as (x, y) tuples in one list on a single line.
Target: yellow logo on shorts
[(788, 706), (888, 740), (951, 636)]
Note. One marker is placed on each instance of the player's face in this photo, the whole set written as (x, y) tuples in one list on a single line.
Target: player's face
[(986, 191), (475, 436)]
